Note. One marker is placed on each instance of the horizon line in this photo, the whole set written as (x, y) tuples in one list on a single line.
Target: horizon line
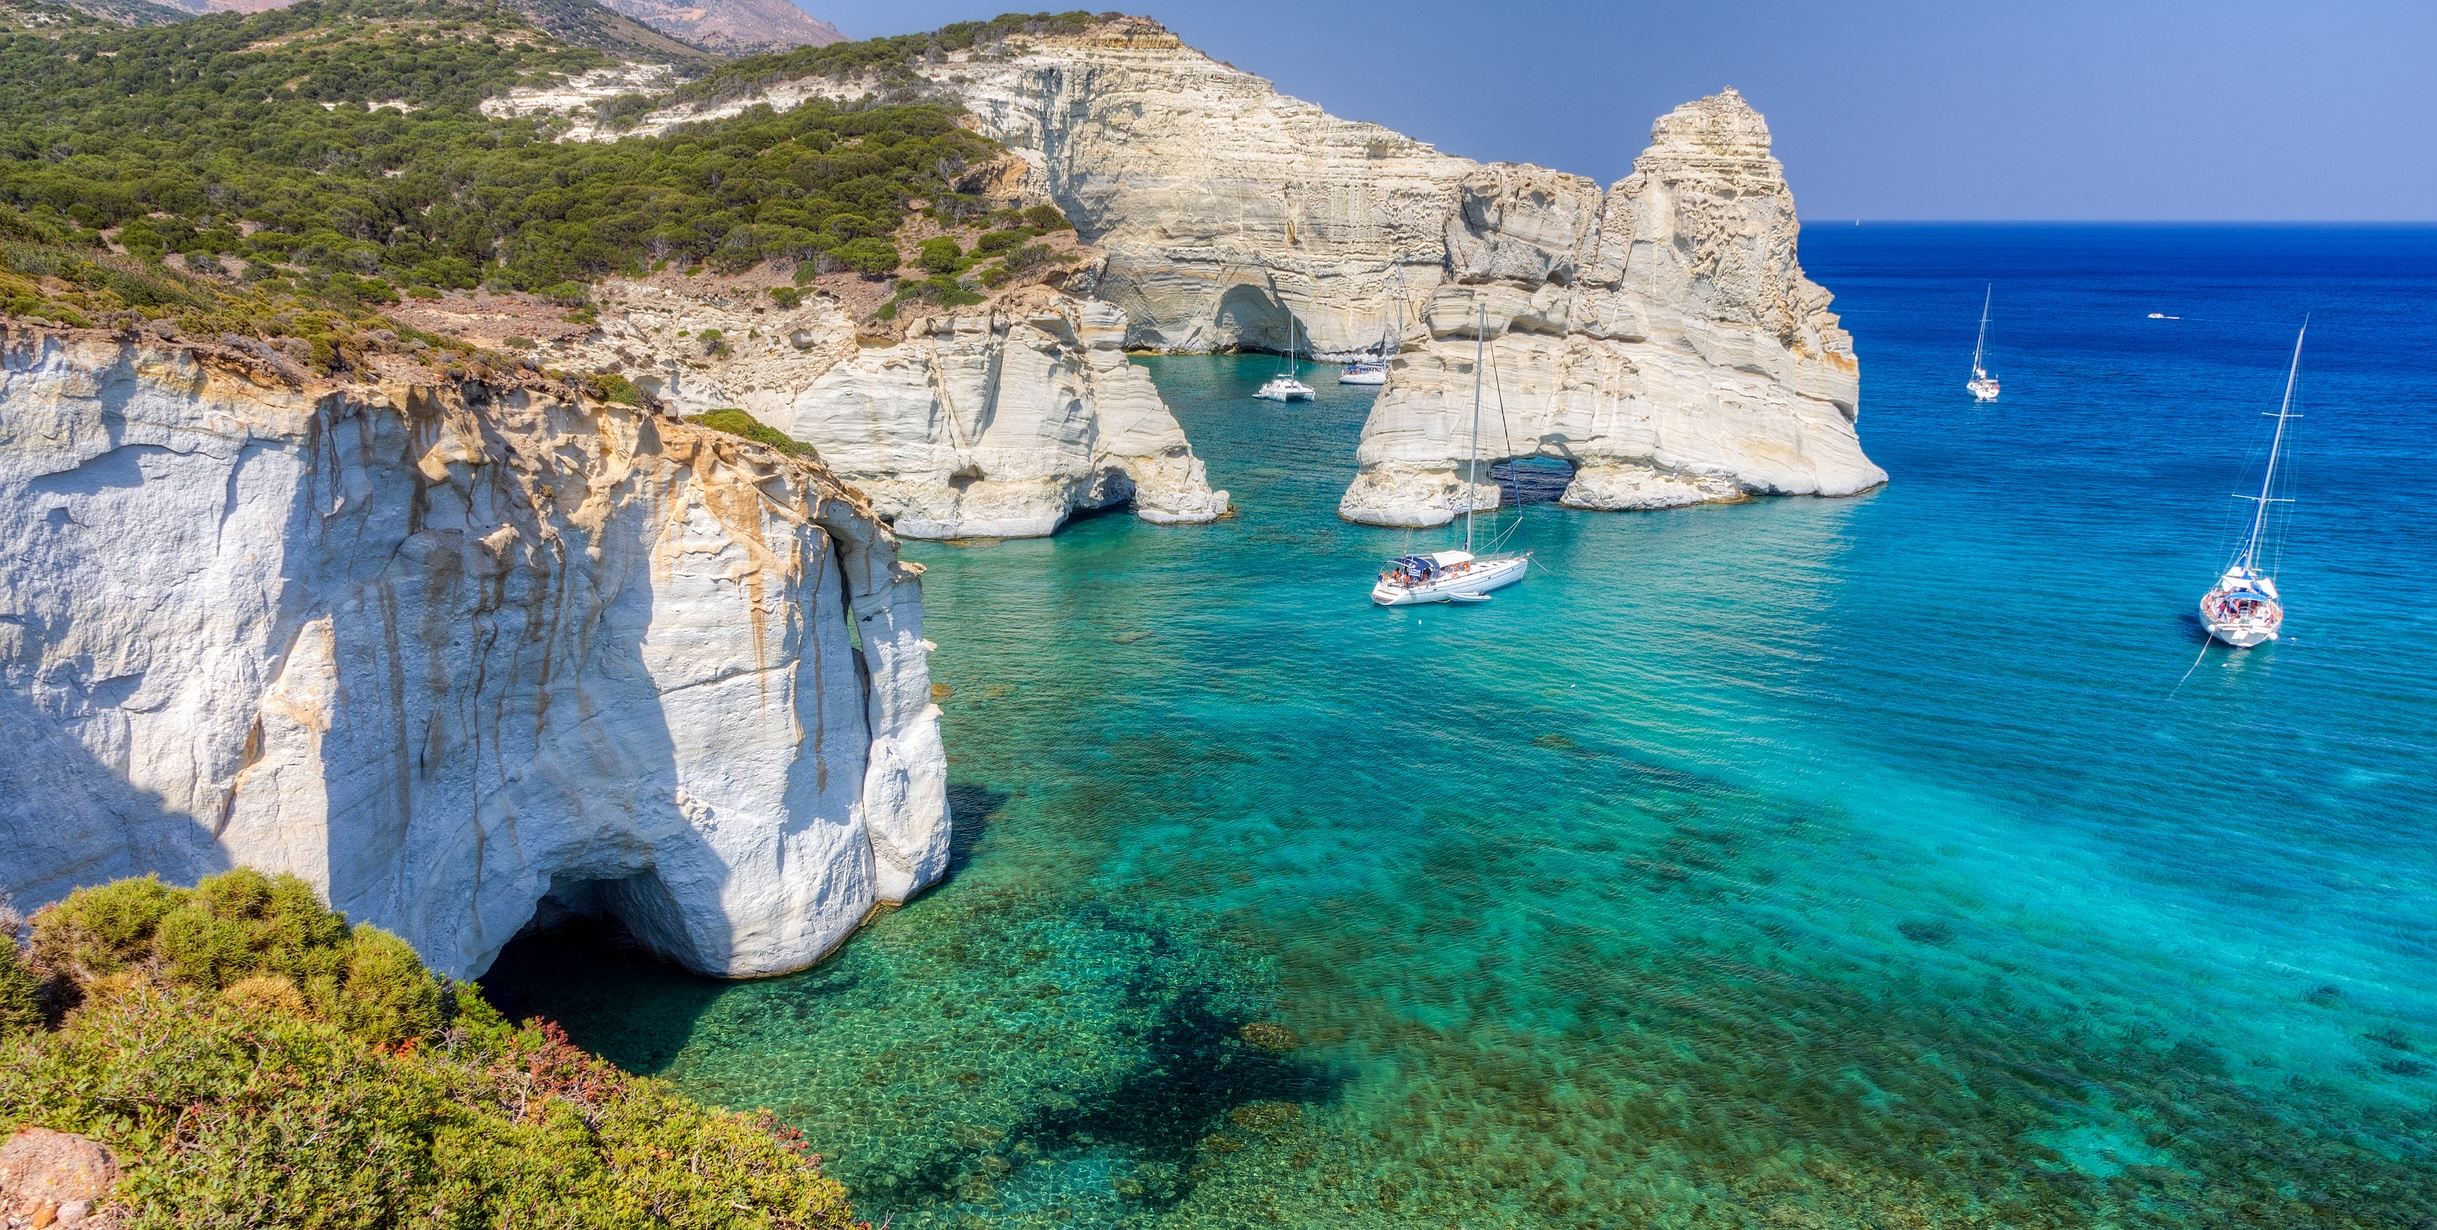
[(2427, 223)]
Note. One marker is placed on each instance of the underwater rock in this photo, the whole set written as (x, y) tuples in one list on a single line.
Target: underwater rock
[(1270, 1036)]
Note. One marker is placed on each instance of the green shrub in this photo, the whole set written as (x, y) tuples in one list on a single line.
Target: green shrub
[(248, 1106), (1046, 217), (787, 297), (871, 257), (995, 242), (739, 423), (1030, 257), (715, 342), (20, 990), (515, 341), (242, 923), (614, 388), (390, 996), (941, 255), (100, 931), (238, 927)]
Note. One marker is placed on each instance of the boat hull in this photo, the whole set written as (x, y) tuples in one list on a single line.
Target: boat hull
[(2242, 617), (1353, 376), (2240, 633), (1983, 390), (1483, 576)]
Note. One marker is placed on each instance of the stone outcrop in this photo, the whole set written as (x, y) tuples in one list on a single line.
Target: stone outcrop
[(52, 1178), (446, 649), (1000, 420), (1658, 334)]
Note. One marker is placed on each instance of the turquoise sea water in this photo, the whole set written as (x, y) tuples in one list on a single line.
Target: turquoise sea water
[(1794, 863)]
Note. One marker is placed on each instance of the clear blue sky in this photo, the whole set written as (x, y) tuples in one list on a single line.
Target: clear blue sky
[(1962, 109)]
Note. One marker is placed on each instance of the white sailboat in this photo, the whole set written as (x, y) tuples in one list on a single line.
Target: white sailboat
[(2243, 608), (1455, 576), (1284, 386), (1374, 370), (1983, 385)]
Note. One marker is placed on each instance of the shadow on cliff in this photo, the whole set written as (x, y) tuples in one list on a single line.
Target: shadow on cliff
[(68, 815), (614, 998), (513, 742), (68, 819), (1251, 318)]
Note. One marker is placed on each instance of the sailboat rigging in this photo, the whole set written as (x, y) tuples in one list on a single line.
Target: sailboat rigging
[(1455, 576), (1284, 386), (2243, 608), (1374, 369), (1983, 386)]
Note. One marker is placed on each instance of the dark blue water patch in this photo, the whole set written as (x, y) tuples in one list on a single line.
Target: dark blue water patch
[(1531, 480)]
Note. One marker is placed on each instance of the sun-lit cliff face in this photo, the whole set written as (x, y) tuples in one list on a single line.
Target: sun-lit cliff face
[(997, 420), (446, 648), (1658, 333)]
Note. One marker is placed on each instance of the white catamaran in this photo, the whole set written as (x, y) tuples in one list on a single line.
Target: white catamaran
[(1982, 384), (1284, 386), (1374, 370), (1455, 576), (2243, 608)]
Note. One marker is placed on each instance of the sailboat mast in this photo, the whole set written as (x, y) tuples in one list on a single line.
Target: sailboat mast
[(1981, 346), (2259, 513), (1472, 465)]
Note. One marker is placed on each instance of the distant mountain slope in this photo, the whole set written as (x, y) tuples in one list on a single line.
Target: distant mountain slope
[(581, 22), (47, 14), (587, 24), (733, 27)]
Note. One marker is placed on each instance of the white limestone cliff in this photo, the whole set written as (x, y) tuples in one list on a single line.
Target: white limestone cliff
[(1658, 334), (1000, 420), (445, 649)]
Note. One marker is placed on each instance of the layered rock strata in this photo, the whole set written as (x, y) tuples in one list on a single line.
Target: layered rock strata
[(1000, 420), (446, 649), (1658, 334)]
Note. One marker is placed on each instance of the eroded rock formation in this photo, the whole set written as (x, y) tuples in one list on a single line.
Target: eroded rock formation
[(999, 420), (446, 648), (1658, 334)]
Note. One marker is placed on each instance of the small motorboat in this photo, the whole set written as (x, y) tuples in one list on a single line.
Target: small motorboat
[(1468, 597), (1364, 371)]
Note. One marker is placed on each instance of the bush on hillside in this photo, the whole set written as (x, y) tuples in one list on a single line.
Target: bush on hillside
[(237, 1094), (739, 423), (183, 138), (941, 255)]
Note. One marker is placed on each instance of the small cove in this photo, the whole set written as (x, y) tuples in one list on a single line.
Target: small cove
[(1745, 865)]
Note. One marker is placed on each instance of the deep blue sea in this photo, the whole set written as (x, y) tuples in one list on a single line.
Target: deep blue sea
[(1865, 862)]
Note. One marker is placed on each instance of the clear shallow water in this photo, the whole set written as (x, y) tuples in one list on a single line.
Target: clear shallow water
[(1794, 863)]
